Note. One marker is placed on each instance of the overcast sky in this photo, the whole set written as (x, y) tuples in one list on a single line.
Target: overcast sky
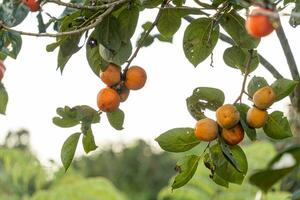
[(36, 89)]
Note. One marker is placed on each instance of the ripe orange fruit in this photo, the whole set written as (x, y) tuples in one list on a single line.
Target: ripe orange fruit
[(264, 97), (108, 100), (124, 93), (256, 118), (234, 135), (2, 70), (135, 78), (206, 129), (112, 75), (227, 116), (33, 5), (257, 24)]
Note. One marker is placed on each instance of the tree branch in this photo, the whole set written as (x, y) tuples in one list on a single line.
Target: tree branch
[(97, 21)]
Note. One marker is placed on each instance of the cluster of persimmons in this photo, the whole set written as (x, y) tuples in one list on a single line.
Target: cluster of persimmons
[(119, 85), (227, 124)]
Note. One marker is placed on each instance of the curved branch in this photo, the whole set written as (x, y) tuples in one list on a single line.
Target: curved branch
[(97, 21)]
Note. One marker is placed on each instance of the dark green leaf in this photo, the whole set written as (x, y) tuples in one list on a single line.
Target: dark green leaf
[(256, 83), (116, 119), (3, 99), (238, 58), (65, 122), (12, 13), (234, 25), (128, 19), (68, 150), (277, 126), (10, 43), (119, 57), (86, 114), (186, 169), (169, 22), (295, 20), (88, 141), (243, 109), (178, 140), (200, 38), (41, 25), (96, 62), (151, 3), (228, 154), (283, 87), (204, 98)]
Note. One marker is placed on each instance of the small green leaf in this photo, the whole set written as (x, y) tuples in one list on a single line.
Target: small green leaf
[(3, 99), (277, 126), (199, 40), (65, 122), (88, 141), (116, 119), (169, 22), (238, 58), (186, 169), (68, 150), (265, 179), (243, 109), (204, 98), (128, 19), (178, 140), (234, 25), (256, 83), (283, 87)]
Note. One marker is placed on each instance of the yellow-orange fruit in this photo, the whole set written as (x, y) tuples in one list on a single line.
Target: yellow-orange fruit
[(256, 118), (258, 24), (227, 116), (124, 93), (206, 129), (135, 78), (264, 97), (112, 75), (108, 100), (233, 135)]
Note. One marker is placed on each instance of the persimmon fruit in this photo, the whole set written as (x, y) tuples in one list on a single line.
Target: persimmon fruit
[(264, 97), (227, 116), (108, 100), (112, 75), (206, 129), (233, 135), (124, 93), (257, 24), (256, 118), (135, 78), (33, 5)]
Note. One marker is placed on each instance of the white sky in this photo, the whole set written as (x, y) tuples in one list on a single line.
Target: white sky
[(36, 89)]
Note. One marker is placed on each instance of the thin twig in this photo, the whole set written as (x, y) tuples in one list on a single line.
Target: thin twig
[(98, 20), (79, 6), (145, 37), (247, 71)]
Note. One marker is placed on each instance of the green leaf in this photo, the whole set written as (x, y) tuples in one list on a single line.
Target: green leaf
[(68, 150), (116, 119), (234, 25), (204, 98), (178, 140), (86, 114), (199, 40), (224, 168), (151, 3), (12, 13), (65, 122), (108, 33), (88, 141), (169, 22), (277, 126), (3, 99), (255, 84), (283, 87), (265, 179), (128, 19), (238, 58), (41, 25), (228, 154), (186, 169), (295, 20), (250, 132), (163, 38), (10, 43), (96, 62), (119, 57)]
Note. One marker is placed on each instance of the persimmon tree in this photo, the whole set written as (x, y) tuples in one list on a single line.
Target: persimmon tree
[(106, 28)]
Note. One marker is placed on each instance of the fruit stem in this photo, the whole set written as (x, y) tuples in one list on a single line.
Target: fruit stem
[(247, 71)]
